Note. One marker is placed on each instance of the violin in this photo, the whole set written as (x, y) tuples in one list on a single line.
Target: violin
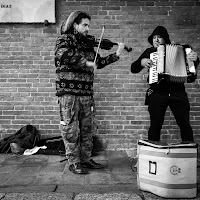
[(90, 41)]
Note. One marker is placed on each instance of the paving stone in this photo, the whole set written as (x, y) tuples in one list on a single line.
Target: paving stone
[(28, 170), (35, 160), (21, 180), (44, 173), (13, 159), (75, 188), (37, 196), (4, 177), (108, 196), (99, 177), (9, 169), (47, 179), (55, 158), (53, 168), (29, 189)]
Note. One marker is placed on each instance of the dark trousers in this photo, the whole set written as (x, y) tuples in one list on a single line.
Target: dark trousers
[(180, 107)]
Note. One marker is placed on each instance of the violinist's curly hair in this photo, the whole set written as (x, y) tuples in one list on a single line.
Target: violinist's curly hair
[(81, 16), (75, 17)]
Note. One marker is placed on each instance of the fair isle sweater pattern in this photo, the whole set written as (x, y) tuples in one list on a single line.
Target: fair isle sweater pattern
[(72, 74)]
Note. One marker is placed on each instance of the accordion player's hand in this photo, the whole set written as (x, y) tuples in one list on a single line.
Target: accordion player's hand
[(146, 62), (192, 56)]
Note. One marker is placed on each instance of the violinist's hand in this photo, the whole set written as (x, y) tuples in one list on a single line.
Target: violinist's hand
[(91, 65), (146, 62), (192, 56), (120, 48)]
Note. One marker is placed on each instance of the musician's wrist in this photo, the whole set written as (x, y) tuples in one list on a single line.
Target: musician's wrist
[(118, 53), (116, 56), (90, 64)]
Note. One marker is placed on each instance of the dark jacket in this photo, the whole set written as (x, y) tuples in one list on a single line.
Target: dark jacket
[(162, 86)]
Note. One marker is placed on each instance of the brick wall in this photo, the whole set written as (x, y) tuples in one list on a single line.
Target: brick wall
[(27, 71)]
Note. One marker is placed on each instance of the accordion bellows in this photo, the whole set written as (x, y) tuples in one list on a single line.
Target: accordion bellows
[(172, 62)]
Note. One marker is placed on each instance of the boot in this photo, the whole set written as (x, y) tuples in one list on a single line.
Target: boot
[(76, 168), (91, 164)]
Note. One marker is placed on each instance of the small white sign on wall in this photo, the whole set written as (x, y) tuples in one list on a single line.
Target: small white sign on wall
[(27, 11)]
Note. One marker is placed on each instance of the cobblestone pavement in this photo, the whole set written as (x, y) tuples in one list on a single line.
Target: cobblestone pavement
[(45, 177)]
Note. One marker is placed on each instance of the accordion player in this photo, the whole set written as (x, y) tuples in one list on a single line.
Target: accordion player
[(170, 62)]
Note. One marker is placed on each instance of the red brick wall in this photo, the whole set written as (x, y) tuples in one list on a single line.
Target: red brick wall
[(27, 71)]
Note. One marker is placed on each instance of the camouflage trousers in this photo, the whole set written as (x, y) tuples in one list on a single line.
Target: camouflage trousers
[(77, 126)]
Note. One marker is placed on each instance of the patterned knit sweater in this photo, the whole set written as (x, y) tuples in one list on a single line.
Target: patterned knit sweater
[(73, 76)]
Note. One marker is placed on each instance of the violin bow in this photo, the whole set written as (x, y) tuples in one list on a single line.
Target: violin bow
[(102, 32)]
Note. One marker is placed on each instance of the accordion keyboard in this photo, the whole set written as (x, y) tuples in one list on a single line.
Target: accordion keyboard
[(153, 72), (153, 75)]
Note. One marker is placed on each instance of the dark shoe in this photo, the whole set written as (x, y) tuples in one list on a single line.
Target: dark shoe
[(76, 168), (91, 164)]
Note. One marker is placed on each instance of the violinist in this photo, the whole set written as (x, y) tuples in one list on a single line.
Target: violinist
[(74, 87)]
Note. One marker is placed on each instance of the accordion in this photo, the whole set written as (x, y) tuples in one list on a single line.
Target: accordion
[(170, 60)]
